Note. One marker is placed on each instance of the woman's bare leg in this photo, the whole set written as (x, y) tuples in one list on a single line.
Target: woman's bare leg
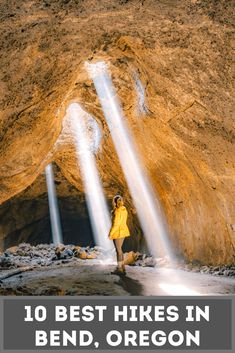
[(118, 246)]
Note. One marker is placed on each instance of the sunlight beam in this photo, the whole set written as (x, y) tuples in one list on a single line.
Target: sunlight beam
[(53, 206), (97, 207), (146, 202)]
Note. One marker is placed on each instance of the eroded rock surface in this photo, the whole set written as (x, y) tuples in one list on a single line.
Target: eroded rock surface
[(171, 63)]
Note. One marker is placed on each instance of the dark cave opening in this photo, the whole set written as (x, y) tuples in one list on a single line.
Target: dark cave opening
[(34, 222), (76, 227), (28, 221)]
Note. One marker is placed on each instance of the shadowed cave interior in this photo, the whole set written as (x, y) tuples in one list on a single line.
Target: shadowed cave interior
[(27, 220)]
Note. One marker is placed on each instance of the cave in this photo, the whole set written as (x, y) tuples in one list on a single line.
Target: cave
[(26, 217), (76, 226), (170, 63), (29, 215)]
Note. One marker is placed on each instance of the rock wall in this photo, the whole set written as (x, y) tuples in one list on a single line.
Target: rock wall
[(171, 63)]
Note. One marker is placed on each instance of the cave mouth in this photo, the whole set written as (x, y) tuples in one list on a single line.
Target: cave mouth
[(76, 226), (75, 221), (30, 223), (25, 218)]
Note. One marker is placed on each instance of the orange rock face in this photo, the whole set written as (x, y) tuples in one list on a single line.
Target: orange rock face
[(171, 64)]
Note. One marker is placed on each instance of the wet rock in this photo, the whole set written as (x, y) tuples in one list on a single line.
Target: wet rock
[(189, 267), (196, 269), (217, 273), (212, 270), (144, 260), (66, 254), (6, 254), (138, 263), (230, 273), (77, 253), (12, 250), (149, 262), (5, 262), (59, 249), (91, 256), (130, 258), (76, 248), (24, 249), (82, 255)]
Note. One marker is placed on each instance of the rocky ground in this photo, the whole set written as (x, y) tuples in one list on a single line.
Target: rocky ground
[(73, 270)]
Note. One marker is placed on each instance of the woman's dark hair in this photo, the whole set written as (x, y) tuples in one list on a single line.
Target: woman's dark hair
[(115, 200)]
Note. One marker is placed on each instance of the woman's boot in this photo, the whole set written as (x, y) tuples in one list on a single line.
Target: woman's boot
[(119, 270), (123, 268)]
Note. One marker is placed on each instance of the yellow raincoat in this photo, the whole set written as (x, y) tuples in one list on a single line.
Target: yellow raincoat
[(119, 227)]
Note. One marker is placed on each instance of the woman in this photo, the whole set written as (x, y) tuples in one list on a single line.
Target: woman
[(119, 231)]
